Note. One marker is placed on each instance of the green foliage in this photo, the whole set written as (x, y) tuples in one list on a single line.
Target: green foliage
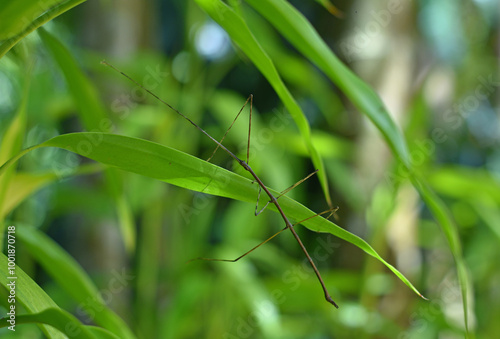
[(79, 222), (241, 35), (65, 323), (300, 33), (72, 278), (28, 294), (19, 18), (183, 170)]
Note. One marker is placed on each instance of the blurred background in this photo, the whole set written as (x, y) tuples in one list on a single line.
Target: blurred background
[(435, 66)]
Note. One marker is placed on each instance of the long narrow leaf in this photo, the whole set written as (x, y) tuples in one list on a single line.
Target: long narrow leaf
[(64, 322), (300, 33), (91, 111), (13, 13), (183, 170), (16, 35), (70, 276), (28, 294), (241, 35)]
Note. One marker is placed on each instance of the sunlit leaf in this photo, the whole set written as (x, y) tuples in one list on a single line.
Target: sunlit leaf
[(183, 170), (64, 322), (69, 275), (21, 17), (238, 30), (28, 293), (301, 34)]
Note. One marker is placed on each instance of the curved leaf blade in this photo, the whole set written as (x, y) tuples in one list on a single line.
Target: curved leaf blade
[(175, 167), (10, 39), (239, 32), (301, 34), (90, 109), (12, 13), (29, 294), (70, 275), (64, 322)]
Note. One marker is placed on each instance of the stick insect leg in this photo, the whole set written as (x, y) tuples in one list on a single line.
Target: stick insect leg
[(244, 254), (282, 192), (250, 98), (257, 205), (249, 127), (331, 210), (296, 184)]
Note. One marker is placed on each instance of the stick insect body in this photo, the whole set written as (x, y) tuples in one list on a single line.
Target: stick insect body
[(244, 164)]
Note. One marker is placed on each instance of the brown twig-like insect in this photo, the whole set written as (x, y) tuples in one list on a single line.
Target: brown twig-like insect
[(244, 164)]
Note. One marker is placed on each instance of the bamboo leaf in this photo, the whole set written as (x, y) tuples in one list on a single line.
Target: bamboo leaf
[(21, 17), (13, 12), (301, 34), (239, 32), (64, 322), (91, 111), (28, 294), (71, 276), (175, 167)]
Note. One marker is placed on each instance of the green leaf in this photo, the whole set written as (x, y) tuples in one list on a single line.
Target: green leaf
[(175, 167), (28, 294), (71, 276), (64, 322), (21, 17), (301, 34), (91, 111), (12, 11), (241, 35)]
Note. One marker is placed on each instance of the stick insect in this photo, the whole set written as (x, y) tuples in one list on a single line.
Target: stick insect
[(262, 187)]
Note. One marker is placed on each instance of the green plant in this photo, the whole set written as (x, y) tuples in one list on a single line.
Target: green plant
[(141, 205)]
